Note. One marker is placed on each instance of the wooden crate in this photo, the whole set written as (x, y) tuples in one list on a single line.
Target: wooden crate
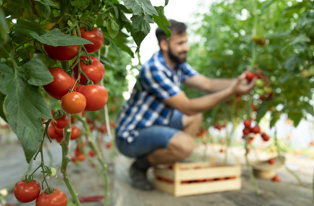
[(183, 179)]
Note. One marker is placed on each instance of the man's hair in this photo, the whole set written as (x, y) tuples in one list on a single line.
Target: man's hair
[(175, 27)]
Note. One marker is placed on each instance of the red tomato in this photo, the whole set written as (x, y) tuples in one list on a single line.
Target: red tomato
[(76, 133), (108, 145), (61, 84), (55, 198), (91, 153), (96, 96), (59, 139), (81, 157), (52, 132), (95, 36), (94, 71), (73, 103), (246, 131), (26, 191), (276, 178), (265, 137), (271, 161), (62, 122), (247, 123), (249, 75), (61, 53), (256, 130)]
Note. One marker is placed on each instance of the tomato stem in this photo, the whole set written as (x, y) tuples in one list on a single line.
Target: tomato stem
[(249, 168), (21, 44), (65, 161)]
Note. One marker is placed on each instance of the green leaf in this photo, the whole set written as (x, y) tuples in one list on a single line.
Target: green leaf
[(56, 38), (301, 38), (2, 115), (4, 29), (109, 41), (274, 118), (80, 4), (291, 63), (263, 108), (47, 2), (115, 9), (162, 21), (43, 9), (37, 73), (295, 115), (112, 26), (140, 6), (24, 106), (166, 2), (23, 28), (140, 27)]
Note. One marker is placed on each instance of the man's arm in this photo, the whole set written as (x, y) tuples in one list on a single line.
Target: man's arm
[(201, 104), (208, 85)]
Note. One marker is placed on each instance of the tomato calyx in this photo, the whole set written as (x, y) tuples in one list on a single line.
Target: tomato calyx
[(89, 27), (49, 190), (87, 61), (58, 114), (28, 178)]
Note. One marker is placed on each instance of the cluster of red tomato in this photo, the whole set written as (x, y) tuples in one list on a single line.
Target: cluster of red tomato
[(28, 191), (248, 131), (84, 97), (57, 125)]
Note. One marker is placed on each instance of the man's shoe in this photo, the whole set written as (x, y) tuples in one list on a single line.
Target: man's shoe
[(138, 178)]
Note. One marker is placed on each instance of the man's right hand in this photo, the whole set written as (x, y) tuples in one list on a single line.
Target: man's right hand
[(241, 85)]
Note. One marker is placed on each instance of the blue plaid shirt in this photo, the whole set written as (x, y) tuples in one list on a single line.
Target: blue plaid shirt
[(145, 107)]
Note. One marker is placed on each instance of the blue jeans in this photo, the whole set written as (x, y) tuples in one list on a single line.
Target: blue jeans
[(151, 138)]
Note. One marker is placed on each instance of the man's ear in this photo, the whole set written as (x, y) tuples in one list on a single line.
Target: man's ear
[(163, 45)]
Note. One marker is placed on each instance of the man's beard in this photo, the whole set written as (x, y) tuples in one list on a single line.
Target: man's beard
[(175, 58)]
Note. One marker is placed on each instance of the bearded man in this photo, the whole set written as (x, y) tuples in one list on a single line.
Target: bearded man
[(158, 123)]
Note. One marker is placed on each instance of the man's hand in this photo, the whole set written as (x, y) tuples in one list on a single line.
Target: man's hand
[(241, 86)]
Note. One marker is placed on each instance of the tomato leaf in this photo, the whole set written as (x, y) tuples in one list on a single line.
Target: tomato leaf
[(140, 27), (80, 4), (3, 27), (43, 9), (25, 106), (24, 28), (109, 41), (47, 2), (112, 26), (37, 73), (166, 2), (2, 115), (162, 21), (262, 109), (274, 118), (140, 6), (56, 38)]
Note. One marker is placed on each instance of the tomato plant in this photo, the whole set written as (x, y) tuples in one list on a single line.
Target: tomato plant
[(62, 122), (57, 197), (96, 96), (26, 191)]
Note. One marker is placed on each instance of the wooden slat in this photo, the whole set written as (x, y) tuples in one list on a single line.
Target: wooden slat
[(166, 187), (192, 165), (208, 173), (166, 173), (208, 187)]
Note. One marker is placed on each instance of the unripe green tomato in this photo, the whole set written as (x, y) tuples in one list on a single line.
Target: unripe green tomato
[(259, 83), (259, 91), (268, 90), (53, 172)]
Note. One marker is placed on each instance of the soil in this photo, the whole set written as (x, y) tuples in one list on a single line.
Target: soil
[(87, 182)]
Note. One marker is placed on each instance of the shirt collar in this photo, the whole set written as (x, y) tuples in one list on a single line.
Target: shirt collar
[(163, 62)]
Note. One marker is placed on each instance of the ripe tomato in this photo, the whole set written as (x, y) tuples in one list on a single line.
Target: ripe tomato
[(247, 123), (94, 71), (61, 84), (271, 161), (96, 96), (249, 75), (256, 129), (276, 178), (73, 103), (95, 36), (55, 198), (76, 133), (61, 53), (62, 122), (26, 191), (91, 153), (246, 131), (52, 132), (265, 137), (81, 157)]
